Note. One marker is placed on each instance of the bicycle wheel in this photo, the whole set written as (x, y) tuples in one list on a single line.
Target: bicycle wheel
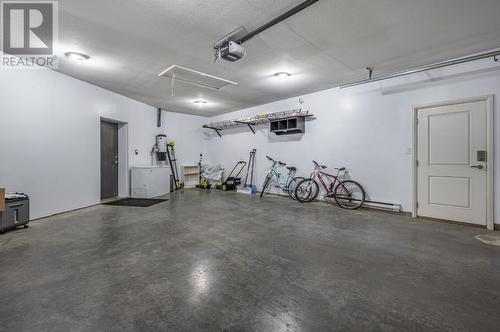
[(349, 195), (293, 185), (314, 194), (266, 183), (306, 189)]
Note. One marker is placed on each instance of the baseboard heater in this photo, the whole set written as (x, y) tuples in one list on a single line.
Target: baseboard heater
[(393, 207)]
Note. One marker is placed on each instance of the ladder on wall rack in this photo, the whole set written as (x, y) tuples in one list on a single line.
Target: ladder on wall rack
[(172, 160)]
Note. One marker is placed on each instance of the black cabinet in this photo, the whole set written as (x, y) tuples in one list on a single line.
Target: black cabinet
[(289, 126), (17, 213)]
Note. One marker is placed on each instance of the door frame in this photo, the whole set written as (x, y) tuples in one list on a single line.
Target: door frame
[(490, 163), (123, 156)]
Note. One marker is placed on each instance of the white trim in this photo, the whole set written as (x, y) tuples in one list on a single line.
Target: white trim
[(490, 164), (414, 168), (123, 168)]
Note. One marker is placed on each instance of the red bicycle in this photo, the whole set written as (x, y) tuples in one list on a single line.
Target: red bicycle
[(347, 193)]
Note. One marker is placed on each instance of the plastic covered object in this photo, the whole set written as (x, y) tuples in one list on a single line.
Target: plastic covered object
[(212, 173)]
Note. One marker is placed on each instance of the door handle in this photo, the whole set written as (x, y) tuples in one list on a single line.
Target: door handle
[(16, 206), (477, 166)]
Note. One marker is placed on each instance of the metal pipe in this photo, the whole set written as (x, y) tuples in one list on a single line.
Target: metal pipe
[(158, 118), (277, 20), (425, 68)]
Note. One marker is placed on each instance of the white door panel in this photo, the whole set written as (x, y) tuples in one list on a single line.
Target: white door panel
[(449, 187), (449, 191), (445, 129)]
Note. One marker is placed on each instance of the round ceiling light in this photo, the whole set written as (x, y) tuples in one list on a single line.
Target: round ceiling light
[(200, 102), (77, 57), (282, 75)]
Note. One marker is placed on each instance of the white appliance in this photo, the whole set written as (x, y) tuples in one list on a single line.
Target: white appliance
[(160, 151), (149, 181)]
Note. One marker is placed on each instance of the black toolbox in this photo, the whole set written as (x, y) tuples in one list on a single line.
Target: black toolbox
[(17, 212)]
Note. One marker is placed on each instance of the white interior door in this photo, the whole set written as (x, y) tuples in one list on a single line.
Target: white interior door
[(451, 173)]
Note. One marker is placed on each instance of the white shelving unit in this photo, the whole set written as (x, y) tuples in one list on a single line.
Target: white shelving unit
[(190, 175)]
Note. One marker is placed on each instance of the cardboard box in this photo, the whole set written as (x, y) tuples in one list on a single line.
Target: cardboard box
[(2, 199)]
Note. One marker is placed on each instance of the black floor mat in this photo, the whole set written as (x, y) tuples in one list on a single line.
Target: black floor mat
[(137, 202)]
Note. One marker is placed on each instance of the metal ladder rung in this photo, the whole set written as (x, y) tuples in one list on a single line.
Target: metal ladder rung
[(173, 165)]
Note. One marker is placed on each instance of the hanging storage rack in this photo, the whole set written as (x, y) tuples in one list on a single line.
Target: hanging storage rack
[(253, 121)]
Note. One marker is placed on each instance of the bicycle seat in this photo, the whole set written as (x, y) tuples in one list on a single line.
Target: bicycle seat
[(292, 169), (340, 169), (281, 163)]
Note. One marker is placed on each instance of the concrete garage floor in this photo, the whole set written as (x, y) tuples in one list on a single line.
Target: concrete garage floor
[(208, 260)]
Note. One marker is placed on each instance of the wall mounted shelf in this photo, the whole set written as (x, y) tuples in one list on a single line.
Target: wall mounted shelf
[(252, 121)]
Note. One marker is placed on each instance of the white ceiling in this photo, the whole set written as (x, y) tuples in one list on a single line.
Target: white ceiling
[(132, 41)]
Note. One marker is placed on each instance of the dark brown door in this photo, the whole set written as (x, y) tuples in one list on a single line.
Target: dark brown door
[(109, 160)]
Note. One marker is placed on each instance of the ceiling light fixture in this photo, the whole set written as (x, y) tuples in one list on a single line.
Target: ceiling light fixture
[(282, 75), (77, 57), (200, 103)]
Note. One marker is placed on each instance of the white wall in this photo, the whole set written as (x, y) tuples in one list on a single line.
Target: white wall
[(50, 137), (49, 133), (368, 129)]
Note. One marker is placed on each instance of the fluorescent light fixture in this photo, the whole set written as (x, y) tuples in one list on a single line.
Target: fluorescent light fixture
[(77, 57), (282, 75)]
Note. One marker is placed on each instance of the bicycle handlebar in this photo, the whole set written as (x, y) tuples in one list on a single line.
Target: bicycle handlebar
[(275, 161), (316, 164)]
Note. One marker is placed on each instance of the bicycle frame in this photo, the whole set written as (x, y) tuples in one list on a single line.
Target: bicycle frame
[(333, 186), (321, 175), (283, 185)]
